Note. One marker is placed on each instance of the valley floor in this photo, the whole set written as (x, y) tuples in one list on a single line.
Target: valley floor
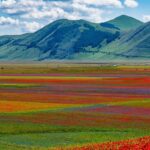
[(73, 106)]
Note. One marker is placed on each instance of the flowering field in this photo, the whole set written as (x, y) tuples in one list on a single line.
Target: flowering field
[(74, 107), (134, 144)]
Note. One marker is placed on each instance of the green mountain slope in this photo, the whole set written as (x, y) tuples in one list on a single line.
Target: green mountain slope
[(80, 40), (138, 43), (58, 40), (131, 45), (125, 22)]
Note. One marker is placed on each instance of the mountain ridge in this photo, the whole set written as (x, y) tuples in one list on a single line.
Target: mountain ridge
[(131, 45), (125, 22), (70, 39)]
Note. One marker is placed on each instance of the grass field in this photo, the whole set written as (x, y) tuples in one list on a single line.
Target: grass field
[(76, 106)]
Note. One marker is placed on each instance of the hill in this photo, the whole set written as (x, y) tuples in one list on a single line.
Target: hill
[(131, 45), (80, 40), (58, 40), (125, 23)]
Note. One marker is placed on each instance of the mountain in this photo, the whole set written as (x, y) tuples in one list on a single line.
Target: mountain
[(80, 40), (125, 23), (58, 40), (131, 45)]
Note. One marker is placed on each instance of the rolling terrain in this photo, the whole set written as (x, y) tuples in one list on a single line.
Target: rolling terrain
[(74, 107), (130, 45), (76, 85), (59, 40), (123, 38)]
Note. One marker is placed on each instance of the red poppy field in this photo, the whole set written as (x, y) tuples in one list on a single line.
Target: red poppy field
[(95, 108)]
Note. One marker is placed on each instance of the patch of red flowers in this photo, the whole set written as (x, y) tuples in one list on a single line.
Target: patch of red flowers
[(135, 144)]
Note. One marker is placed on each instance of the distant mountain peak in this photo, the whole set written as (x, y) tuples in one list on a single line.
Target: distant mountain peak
[(124, 16), (125, 22)]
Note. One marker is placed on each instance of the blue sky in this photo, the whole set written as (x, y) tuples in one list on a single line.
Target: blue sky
[(22, 16)]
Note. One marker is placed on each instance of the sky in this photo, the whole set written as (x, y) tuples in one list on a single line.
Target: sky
[(23, 16)]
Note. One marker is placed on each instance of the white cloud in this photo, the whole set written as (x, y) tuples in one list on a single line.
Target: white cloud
[(38, 9), (146, 18), (113, 3), (7, 3), (37, 13), (8, 21), (81, 11), (56, 10), (131, 3), (26, 26), (20, 6), (31, 26)]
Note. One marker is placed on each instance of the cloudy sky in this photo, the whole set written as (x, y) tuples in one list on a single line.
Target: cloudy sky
[(21, 16)]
